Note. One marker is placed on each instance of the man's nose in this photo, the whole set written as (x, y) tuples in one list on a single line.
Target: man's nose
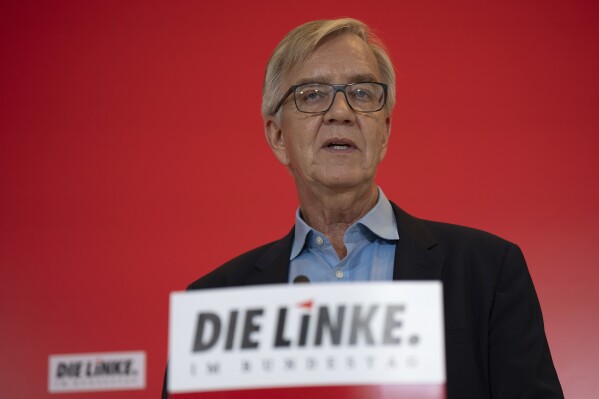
[(340, 111)]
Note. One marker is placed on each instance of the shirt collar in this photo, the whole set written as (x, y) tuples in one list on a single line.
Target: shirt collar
[(380, 220)]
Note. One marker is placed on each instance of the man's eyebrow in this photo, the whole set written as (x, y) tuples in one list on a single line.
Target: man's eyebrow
[(362, 77), (312, 79)]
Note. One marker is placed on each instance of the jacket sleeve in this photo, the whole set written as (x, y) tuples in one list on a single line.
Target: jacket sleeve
[(520, 363)]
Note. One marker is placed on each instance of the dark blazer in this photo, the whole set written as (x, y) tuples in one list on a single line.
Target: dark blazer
[(495, 340)]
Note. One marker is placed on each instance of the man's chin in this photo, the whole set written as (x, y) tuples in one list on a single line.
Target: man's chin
[(346, 181)]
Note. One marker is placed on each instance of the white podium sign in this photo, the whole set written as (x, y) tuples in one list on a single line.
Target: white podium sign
[(306, 335)]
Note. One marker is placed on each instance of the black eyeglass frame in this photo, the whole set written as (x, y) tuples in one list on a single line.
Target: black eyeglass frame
[(338, 88)]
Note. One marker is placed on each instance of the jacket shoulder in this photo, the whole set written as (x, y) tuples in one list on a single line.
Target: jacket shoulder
[(223, 275), (465, 235), (447, 236), (262, 265), (472, 246)]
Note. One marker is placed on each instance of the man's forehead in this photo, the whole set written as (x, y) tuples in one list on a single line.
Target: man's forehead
[(342, 59)]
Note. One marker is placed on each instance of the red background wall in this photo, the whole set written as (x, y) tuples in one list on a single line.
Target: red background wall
[(132, 158)]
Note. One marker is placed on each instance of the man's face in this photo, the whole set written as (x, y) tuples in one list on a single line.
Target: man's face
[(339, 148)]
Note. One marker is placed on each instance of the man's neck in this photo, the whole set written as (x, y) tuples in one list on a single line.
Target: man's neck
[(333, 211)]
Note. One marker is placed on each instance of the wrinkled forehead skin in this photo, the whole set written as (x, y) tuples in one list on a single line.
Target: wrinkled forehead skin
[(324, 63), (359, 45)]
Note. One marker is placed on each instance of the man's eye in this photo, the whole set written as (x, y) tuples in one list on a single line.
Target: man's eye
[(312, 95), (361, 94)]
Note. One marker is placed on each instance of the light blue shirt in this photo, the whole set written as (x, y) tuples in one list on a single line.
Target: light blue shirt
[(370, 244)]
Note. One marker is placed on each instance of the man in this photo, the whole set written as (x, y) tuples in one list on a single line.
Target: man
[(328, 95)]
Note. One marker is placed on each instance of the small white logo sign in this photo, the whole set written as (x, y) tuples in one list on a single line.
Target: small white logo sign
[(306, 335), (104, 371)]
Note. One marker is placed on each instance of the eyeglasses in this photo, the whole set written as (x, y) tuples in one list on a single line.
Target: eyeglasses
[(314, 98)]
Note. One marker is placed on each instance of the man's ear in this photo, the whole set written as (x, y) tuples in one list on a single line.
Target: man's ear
[(276, 139), (385, 139)]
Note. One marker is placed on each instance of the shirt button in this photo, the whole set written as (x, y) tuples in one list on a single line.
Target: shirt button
[(319, 240), (339, 274)]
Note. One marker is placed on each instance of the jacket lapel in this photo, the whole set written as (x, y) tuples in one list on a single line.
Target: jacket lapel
[(416, 257), (273, 266)]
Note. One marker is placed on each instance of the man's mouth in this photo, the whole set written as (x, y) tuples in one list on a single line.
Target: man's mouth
[(335, 146), (339, 144)]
